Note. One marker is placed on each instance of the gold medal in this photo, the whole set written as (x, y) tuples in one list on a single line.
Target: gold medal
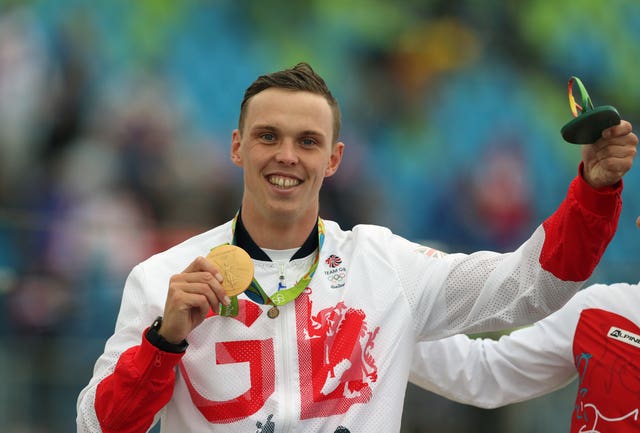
[(236, 268), (273, 312)]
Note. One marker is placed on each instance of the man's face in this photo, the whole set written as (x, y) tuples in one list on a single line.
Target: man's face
[(285, 150)]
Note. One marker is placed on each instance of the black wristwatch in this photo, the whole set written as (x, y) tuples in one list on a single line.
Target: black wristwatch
[(158, 340)]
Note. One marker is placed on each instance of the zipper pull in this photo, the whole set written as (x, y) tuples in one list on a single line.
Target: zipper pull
[(281, 284)]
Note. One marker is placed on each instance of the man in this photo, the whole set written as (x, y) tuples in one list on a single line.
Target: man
[(323, 339)]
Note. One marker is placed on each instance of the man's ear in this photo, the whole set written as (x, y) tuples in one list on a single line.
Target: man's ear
[(334, 159), (235, 148)]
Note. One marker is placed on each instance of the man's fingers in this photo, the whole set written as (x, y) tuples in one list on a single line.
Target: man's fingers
[(201, 264), (195, 277), (623, 128), (619, 145), (608, 159), (200, 301), (617, 150), (201, 279), (193, 294)]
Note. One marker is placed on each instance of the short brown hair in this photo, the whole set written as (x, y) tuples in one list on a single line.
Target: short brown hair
[(301, 77)]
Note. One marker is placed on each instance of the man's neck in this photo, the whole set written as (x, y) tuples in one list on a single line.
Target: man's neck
[(277, 235), (243, 239)]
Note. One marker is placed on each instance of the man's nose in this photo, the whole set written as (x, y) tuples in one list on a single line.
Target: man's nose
[(287, 152)]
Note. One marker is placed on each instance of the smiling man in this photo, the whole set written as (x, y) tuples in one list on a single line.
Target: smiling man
[(322, 339), (285, 145)]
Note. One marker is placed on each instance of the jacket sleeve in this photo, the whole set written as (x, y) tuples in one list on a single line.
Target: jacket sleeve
[(491, 291), (578, 233), (141, 384), (132, 380), (487, 373)]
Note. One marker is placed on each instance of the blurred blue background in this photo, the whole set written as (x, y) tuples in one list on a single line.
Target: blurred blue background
[(115, 126)]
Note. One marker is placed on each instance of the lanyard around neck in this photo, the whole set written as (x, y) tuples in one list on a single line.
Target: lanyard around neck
[(283, 296)]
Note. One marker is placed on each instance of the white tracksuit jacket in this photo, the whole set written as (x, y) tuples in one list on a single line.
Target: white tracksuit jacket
[(336, 359)]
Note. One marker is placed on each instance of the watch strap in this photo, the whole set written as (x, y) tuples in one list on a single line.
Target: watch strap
[(158, 340)]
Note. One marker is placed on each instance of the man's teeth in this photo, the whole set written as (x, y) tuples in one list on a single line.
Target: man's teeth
[(283, 182)]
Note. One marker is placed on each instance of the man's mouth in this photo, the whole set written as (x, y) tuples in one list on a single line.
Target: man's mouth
[(283, 181)]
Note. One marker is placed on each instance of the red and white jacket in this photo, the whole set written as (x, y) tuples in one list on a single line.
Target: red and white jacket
[(336, 359), (595, 338)]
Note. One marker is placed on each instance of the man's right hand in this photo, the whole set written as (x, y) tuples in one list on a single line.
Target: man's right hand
[(191, 295)]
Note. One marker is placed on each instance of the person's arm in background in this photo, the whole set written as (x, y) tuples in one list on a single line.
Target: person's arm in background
[(487, 373)]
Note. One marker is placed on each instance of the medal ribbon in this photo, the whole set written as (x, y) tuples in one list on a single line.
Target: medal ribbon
[(281, 297)]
